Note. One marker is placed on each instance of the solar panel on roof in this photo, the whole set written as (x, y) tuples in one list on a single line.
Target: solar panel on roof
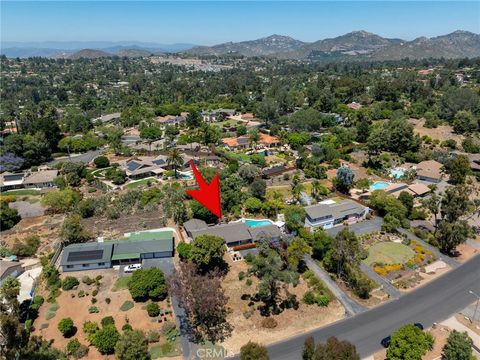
[(85, 255), (159, 162), (13, 177), (133, 165), (243, 140)]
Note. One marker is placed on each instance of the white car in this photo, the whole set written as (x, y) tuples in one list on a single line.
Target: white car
[(132, 267)]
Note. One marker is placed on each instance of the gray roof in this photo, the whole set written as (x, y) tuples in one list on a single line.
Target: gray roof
[(233, 232), (7, 265), (86, 253), (194, 224), (337, 211), (142, 246), (42, 176), (269, 231)]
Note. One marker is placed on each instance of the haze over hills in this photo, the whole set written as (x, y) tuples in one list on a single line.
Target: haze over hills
[(360, 45), (356, 45)]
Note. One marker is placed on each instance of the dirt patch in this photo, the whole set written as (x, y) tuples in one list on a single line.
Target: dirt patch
[(441, 132), (77, 308), (466, 252), (474, 326), (290, 322), (423, 278)]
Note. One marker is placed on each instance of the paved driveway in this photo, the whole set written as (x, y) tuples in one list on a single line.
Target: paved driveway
[(361, 228)]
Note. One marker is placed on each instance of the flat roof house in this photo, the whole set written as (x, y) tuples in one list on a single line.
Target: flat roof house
[(329, 213), (102, 255), (9, 181), (41, 179)]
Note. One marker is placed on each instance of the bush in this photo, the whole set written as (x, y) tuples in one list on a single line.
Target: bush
[(90, 327), (248, 282), (153, 336), (76, 349), (241, 275), (28, 247), (87, 280), (147, 284), (69, 283), (127, 305), (168, 327), (28, 325), (269, 323), (107, 320), (95, 292), (101, 162), (322, 300), (93, 310), (65, 326), (105, 339), (309, 298), (107, 300), (127, 327), (153, 309), (93, 300), (183, 250)]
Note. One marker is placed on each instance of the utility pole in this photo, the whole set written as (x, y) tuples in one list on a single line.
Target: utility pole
[(476, 306)]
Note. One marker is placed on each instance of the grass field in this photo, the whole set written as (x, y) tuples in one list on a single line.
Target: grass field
[(142, 182), (167, 349), (389, 253), (121, 283), (22, 192)]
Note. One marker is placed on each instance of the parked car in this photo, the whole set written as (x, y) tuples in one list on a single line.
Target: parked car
[(132, 267), (386, 341)]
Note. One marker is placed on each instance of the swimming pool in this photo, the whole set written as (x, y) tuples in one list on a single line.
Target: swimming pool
[(397, 173), (379, 185), (255, 223)]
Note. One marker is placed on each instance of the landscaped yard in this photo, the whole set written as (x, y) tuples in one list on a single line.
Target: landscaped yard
[(146, 181), (389, 253), (22, 192)]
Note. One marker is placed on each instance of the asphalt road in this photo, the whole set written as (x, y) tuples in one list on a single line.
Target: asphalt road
[(431, 303)]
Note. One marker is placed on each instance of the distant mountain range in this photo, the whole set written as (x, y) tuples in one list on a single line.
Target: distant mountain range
[(356, 45), (360, 45), (57, 49)]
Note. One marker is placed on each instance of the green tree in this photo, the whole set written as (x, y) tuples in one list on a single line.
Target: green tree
[(458, 169), (147, 284), (132, 346), (407, 200), (8, 216), (61, 201), (308, 348), (409, 342), (458, 346), (101, 162), (344, 179), (65, 326), (335, 349), (72, 231), (105, 339), (194, 119), (253, 351), (297, 248), (464, 122), (174, 159), (207, 251), (294, 217), (253, 205)]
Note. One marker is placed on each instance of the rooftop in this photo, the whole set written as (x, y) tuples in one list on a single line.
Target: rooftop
[(334, 210)]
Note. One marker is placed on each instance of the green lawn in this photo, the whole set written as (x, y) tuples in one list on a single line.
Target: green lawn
[(22, 192), (389, 253), (121, 283), (142, 182)]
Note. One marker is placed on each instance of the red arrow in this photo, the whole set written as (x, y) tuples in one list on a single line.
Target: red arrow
[(208, 194)]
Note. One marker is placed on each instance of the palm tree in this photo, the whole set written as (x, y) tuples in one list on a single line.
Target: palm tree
[(174, 159), (316, 186)]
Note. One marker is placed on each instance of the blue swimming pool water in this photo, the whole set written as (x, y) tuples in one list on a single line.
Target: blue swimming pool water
[(254, 223), (397, 173), (379, 185)]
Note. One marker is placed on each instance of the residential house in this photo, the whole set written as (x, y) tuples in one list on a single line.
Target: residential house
[(244, 142), (134, 249), (430, 171), (218, 114), (234, 234), (10, 268), (41, 179), (10, 181), (328, 214), (354, 105), (108, 118), (273, 171), (144, 166), (171, 119)]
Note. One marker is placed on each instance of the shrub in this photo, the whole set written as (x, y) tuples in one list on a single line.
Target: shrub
[(93, 300), (90, 327), (28, 247), (309, 298), (28, 325), (153, 309), (147, 284), (101, 162), (248, 282), (153, 336), (93, 310), (65, 326), (269, 323), (127, 305), (107, 300), (76, 349), (105, 339), (107, 320), (94, 292), (168, 327), (241, 275), (127, 327), (69, 283), (322, 300)]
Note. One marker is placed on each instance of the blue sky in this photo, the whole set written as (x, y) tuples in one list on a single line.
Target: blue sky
[(207, 23)]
